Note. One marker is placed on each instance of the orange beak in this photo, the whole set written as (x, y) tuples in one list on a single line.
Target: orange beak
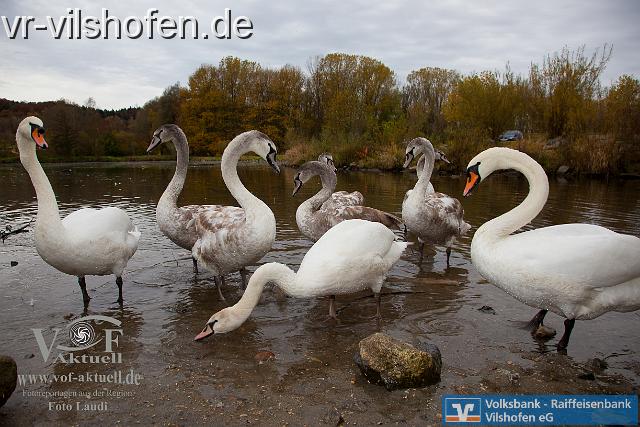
[(472, 180), (38, 137)]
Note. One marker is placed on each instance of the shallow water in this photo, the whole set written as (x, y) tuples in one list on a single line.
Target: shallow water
[(312, 377)]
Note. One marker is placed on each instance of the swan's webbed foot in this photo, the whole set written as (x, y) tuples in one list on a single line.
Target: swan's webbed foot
[(83, 287), (119, 283), (219, 281), (564, 341), (448, 255), (378, 315), (536, 321), (195, 265)]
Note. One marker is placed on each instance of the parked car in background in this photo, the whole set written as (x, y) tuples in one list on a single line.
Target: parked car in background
[(510, 135)]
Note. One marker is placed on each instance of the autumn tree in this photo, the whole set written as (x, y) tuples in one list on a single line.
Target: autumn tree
[(423, 98)]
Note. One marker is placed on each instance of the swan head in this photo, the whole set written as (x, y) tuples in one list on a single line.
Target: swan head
[(225, 320), (418, 146), (491, 160), (260, 144), (31, 131), (328, 159), (165, 133), (308, 171), (483, 165)]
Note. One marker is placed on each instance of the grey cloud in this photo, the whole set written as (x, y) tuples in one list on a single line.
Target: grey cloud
[(406, 35)]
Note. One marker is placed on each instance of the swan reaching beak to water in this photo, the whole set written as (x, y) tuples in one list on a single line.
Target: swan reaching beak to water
[(359, 255)]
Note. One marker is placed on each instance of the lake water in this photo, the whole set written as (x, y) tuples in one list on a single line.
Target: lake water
[(313, 378)]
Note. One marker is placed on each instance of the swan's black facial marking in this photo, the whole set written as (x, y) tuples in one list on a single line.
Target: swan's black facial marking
[(297, 184), (473, 179), (271, 157), (156, 140), (408, 158)]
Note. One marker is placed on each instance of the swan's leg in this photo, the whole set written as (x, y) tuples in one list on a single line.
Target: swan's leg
[(536, 321), (219, 280), (332, 307), (568, 327), (421, 251), (195, 265), (448, 255), (119, 283), (243, 274), (83, 288), (378, 314)]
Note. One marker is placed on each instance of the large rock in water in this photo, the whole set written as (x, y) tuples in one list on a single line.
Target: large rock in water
[(386, 361), (8, 378)]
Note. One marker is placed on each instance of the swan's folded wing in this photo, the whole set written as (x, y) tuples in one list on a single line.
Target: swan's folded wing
[(93, 222), (366, 213), (219, 219), (342, 198), (187, 214), (351, 248), (595, 256)]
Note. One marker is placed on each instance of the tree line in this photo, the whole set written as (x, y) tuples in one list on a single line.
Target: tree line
[(355, 107)]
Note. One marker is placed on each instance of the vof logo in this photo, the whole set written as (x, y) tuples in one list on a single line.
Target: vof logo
[(82, 336), (462, 410)]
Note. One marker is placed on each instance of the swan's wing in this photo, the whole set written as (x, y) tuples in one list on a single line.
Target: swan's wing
[(351, 250), (219, 220), (187, 214), (342, 198), (444, 212), (95, 222), (589, 254), (370, 214)]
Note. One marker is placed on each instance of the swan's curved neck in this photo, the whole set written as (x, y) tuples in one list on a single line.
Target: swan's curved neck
[(531, 206), (276, 273), (329, 182), (247, 201), (170, 196), (48, 214), (427, 171)]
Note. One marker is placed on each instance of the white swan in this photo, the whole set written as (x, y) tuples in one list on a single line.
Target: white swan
[(434, 217), (87, 242), (352, 256), (578, 271), (230, 238), (319, 213)]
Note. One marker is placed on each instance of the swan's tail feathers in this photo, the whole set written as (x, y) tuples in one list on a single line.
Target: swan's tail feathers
[(395, 252), (135, 232)]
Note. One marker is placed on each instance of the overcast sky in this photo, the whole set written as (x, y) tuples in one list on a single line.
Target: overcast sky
[(406, 35)]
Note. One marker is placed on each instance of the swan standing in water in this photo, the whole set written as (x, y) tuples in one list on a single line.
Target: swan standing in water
[(434, 217), (318, 214), (87, 242), (352, 256), (578, 271), (230, 238), (177, 223)]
